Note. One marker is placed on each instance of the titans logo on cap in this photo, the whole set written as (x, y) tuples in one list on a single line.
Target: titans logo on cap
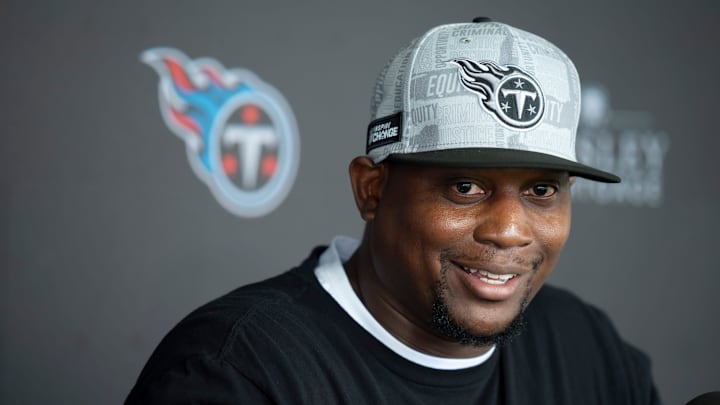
[(509, 94), (240, 134)]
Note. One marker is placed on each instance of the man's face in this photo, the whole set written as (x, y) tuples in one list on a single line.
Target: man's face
[(475, 244)]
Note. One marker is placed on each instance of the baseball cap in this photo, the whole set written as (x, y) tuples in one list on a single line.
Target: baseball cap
[(480, 94)]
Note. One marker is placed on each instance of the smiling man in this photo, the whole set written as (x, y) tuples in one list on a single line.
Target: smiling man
[(465, 189), (452, 256)]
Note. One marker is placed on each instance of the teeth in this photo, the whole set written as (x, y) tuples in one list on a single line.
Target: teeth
[(493, 281), (503, 277), (490, 278)]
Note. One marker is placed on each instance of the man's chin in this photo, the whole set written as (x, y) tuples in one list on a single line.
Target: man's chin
[(444, 323)]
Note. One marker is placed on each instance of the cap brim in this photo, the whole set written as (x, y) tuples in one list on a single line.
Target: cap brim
[(503, 158)]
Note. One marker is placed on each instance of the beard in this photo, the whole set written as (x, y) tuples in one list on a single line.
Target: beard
[(445, 324)]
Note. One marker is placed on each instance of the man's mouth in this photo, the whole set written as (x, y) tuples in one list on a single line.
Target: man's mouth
[(490, 278)]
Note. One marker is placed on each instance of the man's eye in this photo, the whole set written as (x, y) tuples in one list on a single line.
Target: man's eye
[(542, 190), (468, 188)]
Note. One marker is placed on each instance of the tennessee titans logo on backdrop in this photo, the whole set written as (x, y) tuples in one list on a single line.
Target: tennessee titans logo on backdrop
[(512, 96), (240, 134)]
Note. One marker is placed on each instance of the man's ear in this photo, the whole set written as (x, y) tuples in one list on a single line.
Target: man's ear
[(367, 180)]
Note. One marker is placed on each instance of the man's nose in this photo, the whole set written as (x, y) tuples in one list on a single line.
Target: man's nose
[(504, 222)]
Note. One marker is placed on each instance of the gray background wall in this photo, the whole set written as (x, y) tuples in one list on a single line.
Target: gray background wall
[(109, 238)]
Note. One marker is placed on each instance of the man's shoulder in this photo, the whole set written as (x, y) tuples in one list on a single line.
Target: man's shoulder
[(258, 296), (577, 343), (244, 316), (272, 297), (559, 319), (242, 305), (562, 314)]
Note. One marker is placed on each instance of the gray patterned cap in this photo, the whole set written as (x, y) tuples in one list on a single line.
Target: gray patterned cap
[(480, 94)]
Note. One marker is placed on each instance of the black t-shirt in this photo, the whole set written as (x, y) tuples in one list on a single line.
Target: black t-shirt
[(286, 341)]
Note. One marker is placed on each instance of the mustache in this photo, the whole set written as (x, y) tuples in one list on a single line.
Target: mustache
[(489, 254)]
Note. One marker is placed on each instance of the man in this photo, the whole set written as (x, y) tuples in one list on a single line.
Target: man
[(465, 191)]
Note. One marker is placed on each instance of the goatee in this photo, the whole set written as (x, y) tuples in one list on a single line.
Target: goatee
[(443, 323)]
